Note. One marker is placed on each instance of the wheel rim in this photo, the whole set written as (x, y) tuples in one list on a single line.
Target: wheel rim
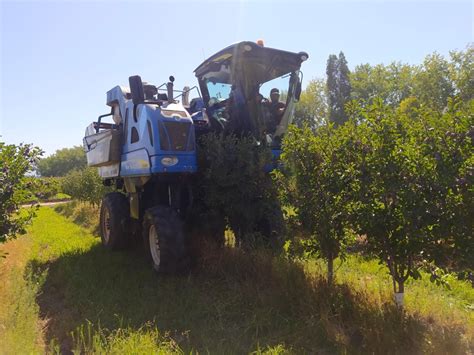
[(154, 247), (106, 225)]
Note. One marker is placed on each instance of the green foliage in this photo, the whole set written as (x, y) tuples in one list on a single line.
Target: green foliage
[(84, 185), (45, 188), (16, 162), (233, 181), (391, 83), (431, 83), (83, 214), (322, 169), (461, 70), (62, 162), (448, 139), (19, 312), (338, 88), (146, 340), (394, 203), (312, 108), (401, 177)]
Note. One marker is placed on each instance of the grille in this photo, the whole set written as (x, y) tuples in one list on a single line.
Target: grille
[(176, 136)]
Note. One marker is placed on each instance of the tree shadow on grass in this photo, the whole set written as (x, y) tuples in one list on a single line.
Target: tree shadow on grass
[(234, 302)]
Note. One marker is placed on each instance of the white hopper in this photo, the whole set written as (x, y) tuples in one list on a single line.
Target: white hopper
[(102, 148)]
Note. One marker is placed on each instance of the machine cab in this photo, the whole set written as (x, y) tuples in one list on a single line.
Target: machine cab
[(234, 84)]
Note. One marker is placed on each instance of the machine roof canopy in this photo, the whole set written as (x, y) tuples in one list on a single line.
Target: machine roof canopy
[(250, 60)]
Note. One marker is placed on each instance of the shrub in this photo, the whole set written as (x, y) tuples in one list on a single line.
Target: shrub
[(319, 186), (234, 180), (84, 185), (45, 188), (14, 187)]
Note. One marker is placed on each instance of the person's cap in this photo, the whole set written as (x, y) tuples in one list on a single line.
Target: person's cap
[(275, 91)]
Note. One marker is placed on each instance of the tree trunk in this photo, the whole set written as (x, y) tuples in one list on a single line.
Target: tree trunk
[(400, 294), (330, 270)]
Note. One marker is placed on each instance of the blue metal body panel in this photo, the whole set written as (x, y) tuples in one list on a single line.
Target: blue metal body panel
[(275, 164), (186, 163), (276, 154), (135, 163), (142, 151)]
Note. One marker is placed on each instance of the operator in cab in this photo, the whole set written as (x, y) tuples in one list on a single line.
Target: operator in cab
[(276, 108)]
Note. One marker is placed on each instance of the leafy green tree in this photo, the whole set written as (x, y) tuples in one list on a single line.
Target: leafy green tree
[(312, 108), (338, 88), (44, 188), (449, 139), (62, 162), (432, 83), (85, 185), (391, 83), (320, 186), (397, 205), (461, 69), (15, 163)]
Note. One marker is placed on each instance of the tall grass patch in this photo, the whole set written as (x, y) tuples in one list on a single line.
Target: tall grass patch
[(82, 213), (20, 328)]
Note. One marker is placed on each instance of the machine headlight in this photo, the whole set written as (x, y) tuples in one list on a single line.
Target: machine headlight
[(169, 161)]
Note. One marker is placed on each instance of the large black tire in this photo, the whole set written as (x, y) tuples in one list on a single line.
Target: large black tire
[(164, 240), (115, 221)]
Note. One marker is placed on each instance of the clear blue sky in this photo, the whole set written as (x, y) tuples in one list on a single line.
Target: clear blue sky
[(58, 59)]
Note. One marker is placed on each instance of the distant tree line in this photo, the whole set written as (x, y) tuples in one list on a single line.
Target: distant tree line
[(429, 84), (62, 162)]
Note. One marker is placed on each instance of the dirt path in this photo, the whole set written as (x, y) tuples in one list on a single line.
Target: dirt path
[(51, 203)]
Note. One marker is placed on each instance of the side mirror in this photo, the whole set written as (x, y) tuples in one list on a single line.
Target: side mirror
[(136, 89), (298, 91)]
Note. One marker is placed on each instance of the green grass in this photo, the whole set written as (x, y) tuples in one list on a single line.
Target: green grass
[(60, 196), (454, 301), (20, 329), (81, 213), (95, 301)]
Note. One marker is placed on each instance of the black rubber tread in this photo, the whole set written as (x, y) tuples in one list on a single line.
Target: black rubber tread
[(119, 212), (171, 237)]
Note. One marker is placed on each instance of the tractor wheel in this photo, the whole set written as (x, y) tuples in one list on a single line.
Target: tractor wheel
[(164, 239), (114, 221)]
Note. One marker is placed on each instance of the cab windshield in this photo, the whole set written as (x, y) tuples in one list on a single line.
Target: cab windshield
[(218, 91)]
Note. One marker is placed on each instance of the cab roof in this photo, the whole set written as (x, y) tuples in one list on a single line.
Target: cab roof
[(250, 59)]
